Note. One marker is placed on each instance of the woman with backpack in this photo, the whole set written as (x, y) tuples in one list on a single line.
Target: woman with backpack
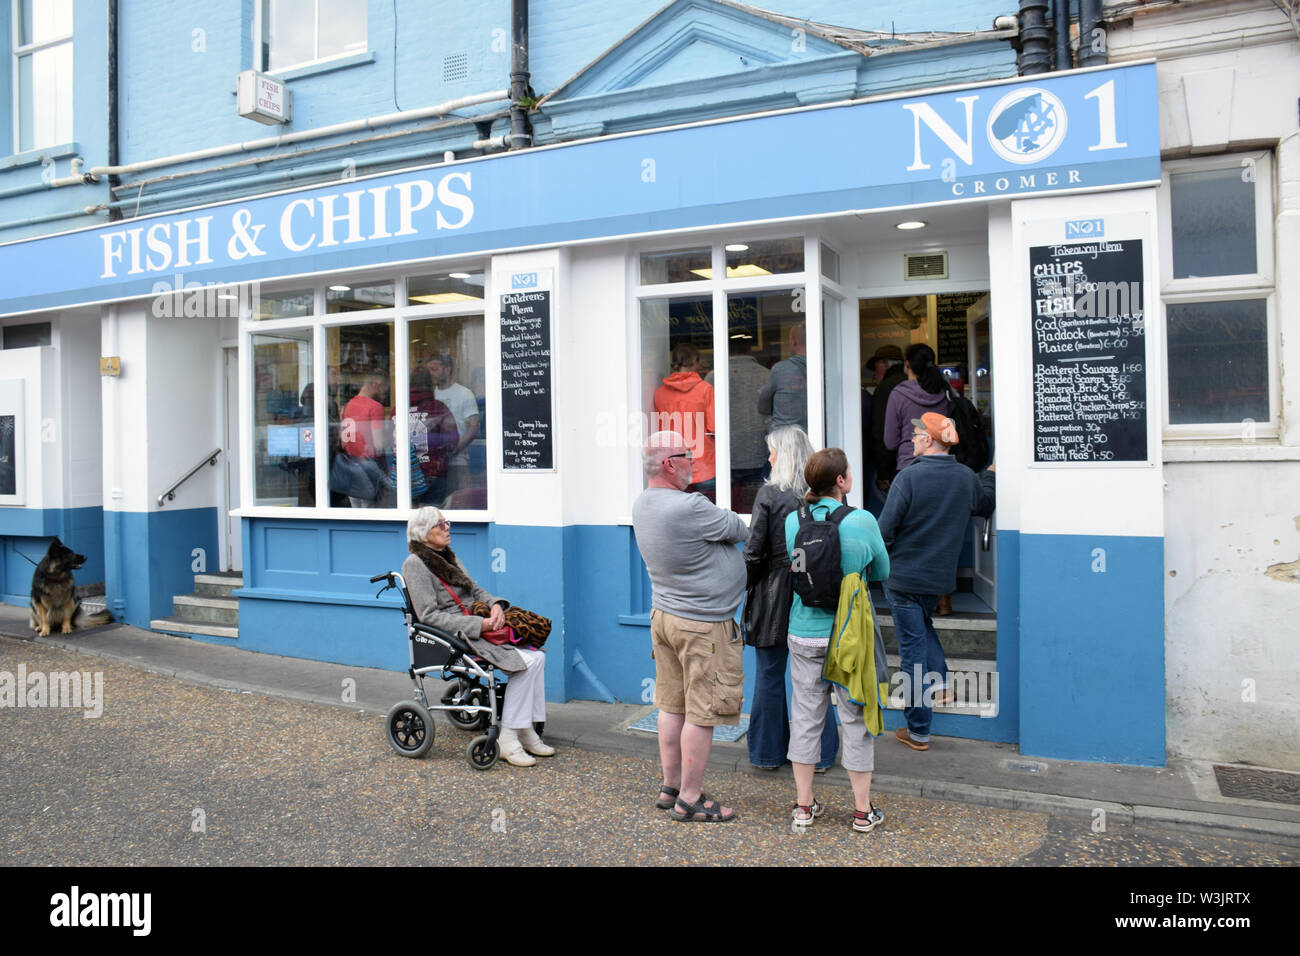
[(861, 550), (769, 589)]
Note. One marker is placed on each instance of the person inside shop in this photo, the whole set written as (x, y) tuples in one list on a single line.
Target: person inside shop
[(464, 408), (749, 449), (684, 404), (785, 396), (364, 440), (434, 437), (885, 368), (442, 593)]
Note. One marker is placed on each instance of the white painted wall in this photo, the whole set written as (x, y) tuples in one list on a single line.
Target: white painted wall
[(1229, 81), (79, 432), (32, 369)]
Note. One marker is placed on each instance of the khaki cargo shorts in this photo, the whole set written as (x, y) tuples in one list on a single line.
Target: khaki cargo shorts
[(698, 668)]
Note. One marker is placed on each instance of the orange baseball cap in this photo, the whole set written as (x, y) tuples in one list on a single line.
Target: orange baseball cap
[(938, 427)]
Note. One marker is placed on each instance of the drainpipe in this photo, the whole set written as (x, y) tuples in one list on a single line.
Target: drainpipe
[(112, 101), (1061, 27), (1092, 34), (520, 136), (1035, 38)]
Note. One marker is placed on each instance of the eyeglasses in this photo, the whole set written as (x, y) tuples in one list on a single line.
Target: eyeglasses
[(685, 454), (444, 525)]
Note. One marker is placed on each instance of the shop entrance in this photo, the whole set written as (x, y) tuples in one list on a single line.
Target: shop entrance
[(956, 328)]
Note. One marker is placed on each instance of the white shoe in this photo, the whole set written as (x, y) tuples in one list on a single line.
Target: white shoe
[(512, 750), (534, 744)]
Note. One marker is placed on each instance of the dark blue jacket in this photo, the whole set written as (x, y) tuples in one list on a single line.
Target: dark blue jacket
[(925, 518)]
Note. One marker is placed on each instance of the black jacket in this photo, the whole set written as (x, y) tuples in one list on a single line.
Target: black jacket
[(770, 588), (886, 459)]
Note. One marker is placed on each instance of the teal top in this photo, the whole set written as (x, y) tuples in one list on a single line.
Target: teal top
[(860, 546)]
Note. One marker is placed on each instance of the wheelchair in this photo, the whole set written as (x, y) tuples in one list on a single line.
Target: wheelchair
[(473, 698)]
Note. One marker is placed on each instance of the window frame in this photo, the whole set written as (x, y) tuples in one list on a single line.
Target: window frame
[(18, 52), (319, 323), (1260, 284), (261, 44)]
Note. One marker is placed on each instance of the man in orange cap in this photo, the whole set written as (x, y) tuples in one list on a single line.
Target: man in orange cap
[(924, 524)]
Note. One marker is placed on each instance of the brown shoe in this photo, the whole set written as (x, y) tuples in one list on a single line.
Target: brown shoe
[(944, 607), (903, 737)]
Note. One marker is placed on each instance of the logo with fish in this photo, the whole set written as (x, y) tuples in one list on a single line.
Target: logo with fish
[(1027, 125)]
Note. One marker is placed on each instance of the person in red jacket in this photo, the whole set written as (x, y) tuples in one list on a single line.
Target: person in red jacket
[(684, 404)]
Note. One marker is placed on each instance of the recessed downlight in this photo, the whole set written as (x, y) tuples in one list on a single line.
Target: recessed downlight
[(736, 247), (340, 288), (458, 275), (911, 224)]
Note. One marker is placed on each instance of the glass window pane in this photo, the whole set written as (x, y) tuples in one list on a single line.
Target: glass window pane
[(284, 305), (45, 97), (1218, 361), (360, 415), (284, 449), (448, 287), (290, 33), (769, 257), (342, 297), (43, 20), (342, 26), (26, 336), (1213, 219), (676, 355), (683, 265), (448, 425), (832, 379), (769, 381)]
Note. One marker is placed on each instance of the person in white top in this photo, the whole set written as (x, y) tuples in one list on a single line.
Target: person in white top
[(464, 408)]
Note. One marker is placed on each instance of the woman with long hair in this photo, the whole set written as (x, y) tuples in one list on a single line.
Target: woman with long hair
[(767, 602), (862, 551), (923, 392)]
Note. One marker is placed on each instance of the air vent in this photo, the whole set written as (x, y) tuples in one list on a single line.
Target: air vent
[(455, 66), (925, 265)]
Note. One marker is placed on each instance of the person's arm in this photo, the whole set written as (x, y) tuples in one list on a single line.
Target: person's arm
[(984, 494), (893, 422), (756, 544), (718, 524), (470, 433), (765, 396), (877, 556), (900, 496)]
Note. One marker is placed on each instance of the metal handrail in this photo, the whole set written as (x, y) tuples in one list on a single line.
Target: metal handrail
[(170, 493)]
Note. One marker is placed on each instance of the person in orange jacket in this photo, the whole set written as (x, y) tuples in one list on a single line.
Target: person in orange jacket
[(684, 404)]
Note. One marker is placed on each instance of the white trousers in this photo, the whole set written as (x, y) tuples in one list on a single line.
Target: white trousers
[(526, 695)]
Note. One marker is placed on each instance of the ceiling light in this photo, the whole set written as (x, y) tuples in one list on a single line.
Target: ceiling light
[(911, 224), (736, 247), (459, 275), (340, 288)]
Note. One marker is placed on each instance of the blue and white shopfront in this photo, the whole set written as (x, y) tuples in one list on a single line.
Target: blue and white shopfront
[(251, 327)]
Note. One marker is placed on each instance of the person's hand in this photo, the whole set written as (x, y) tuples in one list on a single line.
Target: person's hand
[(882, 486), (993, 467), (497, 619)]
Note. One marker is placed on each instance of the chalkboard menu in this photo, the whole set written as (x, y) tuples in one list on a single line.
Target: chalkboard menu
[(526, 442), (1089, 351), (950, 310)]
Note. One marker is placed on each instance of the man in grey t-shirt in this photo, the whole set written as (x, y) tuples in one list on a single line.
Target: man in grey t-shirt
[(697, 579), (785, 396)]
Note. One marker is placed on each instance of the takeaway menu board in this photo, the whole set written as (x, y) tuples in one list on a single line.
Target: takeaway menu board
[(950, 311), (1089, 352), (526, 427)]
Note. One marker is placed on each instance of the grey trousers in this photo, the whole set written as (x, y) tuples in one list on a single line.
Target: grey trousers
[(808, 706)]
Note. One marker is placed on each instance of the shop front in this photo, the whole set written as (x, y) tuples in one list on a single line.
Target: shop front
[(496, 336)]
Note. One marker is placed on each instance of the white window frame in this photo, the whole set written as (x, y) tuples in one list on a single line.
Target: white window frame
[(261, 54), (319, 322), (810, 280), (22, 51), (1259, 284)]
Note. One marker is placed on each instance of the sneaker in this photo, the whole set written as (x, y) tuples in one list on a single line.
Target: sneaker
[(533, 743), (512, 750), (868, 821), (803, 816)]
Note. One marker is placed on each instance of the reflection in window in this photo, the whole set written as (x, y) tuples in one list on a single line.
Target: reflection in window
[(296, 304), (448, 452), (43, 69), (441, 289), (302, 31), (764, 258), (1218, 361), (360, 415), (686, 265), (347, 298), (284, 447), (676, 355)]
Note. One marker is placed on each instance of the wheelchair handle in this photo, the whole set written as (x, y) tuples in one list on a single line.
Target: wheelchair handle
[(381, 577)]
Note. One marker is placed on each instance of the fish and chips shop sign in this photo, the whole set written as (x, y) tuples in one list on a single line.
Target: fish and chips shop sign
[(1090, 129)]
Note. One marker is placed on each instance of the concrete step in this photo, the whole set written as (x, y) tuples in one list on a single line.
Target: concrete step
[(220, 584), (177, 625), (975, 680), (202, 609), (961, 635)]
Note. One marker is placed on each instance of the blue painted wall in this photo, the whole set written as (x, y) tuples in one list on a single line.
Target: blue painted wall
[(1092, 648), (27, 535), (150, 559)]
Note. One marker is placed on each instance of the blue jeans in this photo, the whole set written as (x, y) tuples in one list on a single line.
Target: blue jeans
[(769, 714), (920, 654)]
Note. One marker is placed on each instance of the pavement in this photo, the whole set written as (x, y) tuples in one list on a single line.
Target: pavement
[(1183, 795)]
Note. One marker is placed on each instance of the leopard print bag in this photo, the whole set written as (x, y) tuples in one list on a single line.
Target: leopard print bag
[(531, 629)]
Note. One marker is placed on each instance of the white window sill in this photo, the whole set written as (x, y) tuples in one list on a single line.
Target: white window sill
[(1234, 450), (323, 66)]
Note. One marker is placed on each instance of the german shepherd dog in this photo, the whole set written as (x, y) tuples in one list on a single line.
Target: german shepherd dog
[(54, 597)]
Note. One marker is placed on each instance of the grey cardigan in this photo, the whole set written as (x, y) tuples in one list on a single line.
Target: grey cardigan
[(435, 606)]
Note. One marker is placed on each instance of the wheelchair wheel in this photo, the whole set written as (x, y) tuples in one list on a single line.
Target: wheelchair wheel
[(482, 752), (409, 729), (470, 720)]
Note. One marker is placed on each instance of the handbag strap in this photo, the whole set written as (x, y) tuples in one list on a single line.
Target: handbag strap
[(462, 607)]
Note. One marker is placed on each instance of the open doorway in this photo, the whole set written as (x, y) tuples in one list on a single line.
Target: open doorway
[(957, 327)]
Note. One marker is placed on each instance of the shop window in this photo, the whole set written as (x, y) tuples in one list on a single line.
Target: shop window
[(26, 336), (342, 297), (764, 258), (296, 304), (298, 32), (448, 446), (284, 452), (1217, 287), (685, 265), (362, 467), (43, 71), (445, 288)]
